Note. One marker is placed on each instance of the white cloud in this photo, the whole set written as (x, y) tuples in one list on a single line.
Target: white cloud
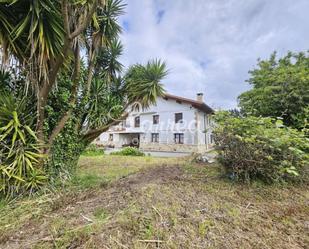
[(210, 45)]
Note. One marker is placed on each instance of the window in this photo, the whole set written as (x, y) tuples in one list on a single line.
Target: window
[(155, 119), (111, 137), (178, 138), (155, 137), (137, 122), (178, 117), (207, 120), (212, 138)]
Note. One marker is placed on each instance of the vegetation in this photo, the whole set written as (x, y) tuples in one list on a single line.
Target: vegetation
[(253, 148), (19, 149), (72, 99), (128, 151), (54, 102), (268, 138), (280, 88), (93, 150), (138, 202)]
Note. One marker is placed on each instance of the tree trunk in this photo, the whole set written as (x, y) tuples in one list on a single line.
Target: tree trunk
[(65, 152)]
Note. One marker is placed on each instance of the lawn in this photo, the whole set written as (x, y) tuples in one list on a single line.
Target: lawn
[(145, 202)]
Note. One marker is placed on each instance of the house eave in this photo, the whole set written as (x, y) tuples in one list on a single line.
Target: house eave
[(196, 104)]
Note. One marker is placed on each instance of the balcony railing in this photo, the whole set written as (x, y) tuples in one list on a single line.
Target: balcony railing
[(121, 127)]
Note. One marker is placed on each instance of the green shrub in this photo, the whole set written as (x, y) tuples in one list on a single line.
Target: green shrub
[(260, 148), (93, 150), (128, 151), (19, 150)]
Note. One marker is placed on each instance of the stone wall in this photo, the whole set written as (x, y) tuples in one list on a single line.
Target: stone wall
[(174, 147)]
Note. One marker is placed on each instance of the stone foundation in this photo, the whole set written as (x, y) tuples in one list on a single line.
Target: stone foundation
[(189, 148)]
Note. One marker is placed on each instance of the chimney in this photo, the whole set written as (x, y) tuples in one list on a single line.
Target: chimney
[(199, 97)]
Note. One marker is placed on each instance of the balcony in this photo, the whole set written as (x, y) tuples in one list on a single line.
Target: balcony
[(121, 127)]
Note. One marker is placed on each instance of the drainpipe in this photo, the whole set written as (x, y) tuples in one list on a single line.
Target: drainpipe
[(205, 131)]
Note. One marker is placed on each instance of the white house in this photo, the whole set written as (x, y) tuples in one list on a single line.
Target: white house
[(173, 124)]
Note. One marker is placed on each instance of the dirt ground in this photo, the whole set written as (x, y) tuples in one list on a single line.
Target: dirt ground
[(123, 202)]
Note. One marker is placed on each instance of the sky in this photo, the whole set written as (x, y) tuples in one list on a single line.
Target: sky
[(210, 45)]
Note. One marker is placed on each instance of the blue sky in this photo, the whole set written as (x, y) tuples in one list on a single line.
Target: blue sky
[(210, 45)]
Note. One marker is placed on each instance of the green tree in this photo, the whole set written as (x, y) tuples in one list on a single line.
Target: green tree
[(251, 148), (280, 88), (76, 97)]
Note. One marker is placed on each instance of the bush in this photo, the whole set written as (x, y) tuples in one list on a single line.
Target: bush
[(19, 150), (260, 148), (128, 151), (93, 150)]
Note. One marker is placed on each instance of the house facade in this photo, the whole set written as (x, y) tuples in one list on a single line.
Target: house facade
[(173, 124)]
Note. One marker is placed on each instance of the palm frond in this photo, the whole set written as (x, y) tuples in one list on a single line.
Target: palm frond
[(143, 83)]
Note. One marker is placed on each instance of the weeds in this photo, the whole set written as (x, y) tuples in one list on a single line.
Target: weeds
[(149, 205)]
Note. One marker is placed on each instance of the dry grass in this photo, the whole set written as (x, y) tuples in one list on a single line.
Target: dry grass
[(143, 202)]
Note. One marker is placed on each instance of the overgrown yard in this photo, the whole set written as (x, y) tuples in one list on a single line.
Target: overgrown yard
[(144, 202)]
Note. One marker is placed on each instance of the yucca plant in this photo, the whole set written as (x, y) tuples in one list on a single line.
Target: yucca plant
[(20, 151), (66, 53)]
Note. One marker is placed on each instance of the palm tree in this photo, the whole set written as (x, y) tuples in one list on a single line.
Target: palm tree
[(47, 38), (140, 84)]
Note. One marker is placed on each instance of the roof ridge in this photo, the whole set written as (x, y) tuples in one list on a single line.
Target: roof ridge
[(184, 98), (197, 104)]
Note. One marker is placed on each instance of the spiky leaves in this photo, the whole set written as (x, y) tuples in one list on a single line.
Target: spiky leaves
[(105, 22), (105, 103), (47, 37), (33, 32), (108, 102), (107, 62), (143, 83), (104, 27), (19, 149)]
